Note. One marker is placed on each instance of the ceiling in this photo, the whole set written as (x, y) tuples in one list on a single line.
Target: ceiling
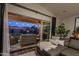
[(62, 10)]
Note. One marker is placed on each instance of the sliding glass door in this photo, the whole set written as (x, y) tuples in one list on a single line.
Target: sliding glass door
[(46, 30)]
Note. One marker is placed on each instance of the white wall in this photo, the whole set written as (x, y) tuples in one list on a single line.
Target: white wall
[(69, 23), (58, 21)]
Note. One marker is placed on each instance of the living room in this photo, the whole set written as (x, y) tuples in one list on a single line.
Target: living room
[(58, 31)]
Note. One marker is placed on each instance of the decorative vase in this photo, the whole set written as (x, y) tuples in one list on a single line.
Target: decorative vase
[(76, 35)]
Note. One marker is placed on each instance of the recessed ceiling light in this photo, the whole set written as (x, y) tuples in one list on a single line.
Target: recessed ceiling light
[(64, 11)]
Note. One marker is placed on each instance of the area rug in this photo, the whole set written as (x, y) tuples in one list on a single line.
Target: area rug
[(31, 53)]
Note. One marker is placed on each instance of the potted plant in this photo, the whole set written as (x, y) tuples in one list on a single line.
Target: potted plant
[(61, 31)]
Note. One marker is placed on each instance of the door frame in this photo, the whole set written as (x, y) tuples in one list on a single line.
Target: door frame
[(2, 9)]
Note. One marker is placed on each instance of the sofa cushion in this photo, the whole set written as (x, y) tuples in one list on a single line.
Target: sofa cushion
[(57, 51), (54, 40), (54, 52), (66, 41), (74, 44), (70, 52), (46, 45)]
